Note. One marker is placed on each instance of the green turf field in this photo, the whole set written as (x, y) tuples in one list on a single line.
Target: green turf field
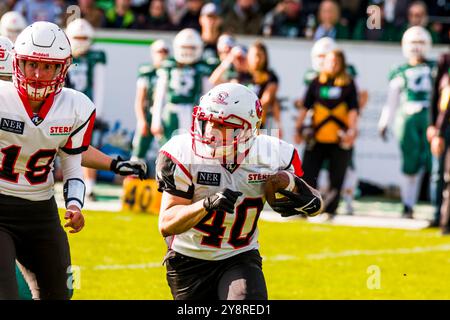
[(120, 255)]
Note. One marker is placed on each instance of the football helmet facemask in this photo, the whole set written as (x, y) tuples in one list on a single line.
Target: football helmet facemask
[(80, 33), (11, 25), (226, 122), (416, 42), (41, 42), (187, 46)]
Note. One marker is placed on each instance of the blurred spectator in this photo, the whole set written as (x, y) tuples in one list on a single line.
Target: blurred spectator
[(175, 8), (233, 66), (210, 22), (191, 17), (332, 97), (287, 20), (439, 136), (39, 10), (89, 11), (6, 5), (351, 11), (386, 32), (264, 84), (418, 16), (329, 24), (157, 18), (244, 18), (120, 16)]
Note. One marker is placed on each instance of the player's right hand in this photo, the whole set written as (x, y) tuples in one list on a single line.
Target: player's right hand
[(75, 217), (222, 201)]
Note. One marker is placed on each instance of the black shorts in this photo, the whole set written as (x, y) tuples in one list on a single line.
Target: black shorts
[(31, 232), (237, 278)]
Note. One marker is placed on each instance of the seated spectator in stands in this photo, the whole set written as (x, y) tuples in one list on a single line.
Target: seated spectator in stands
[(190, 18), (385, 32), (210, 22), (329, 24), (157, 18), (40, 10), (89, 11), (120, 16), (244, 18), (418, 16), (286, 20)]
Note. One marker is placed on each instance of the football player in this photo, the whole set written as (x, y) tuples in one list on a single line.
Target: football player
[(87, 75), (11, 24), (40, 120), (181, 81), (213, 182), (93, 158), (6, 66), (410, 87), (145, 87)]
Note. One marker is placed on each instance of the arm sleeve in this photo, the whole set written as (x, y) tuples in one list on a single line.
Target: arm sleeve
[(295, 165), (353, 97), (159, 98), (308, 101), (173, 177), (71, 168), (392, 101), (99, 87), (80, 138)]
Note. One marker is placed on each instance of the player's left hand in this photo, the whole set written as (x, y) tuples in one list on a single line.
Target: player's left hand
[(129, 167), (76, 219), (307, 201)]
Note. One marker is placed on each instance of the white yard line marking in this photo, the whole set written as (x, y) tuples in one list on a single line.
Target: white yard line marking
[(148, 265), (285, 257), (352, 253)]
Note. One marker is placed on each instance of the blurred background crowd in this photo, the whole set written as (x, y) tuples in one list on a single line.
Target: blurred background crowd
[(344, 19)]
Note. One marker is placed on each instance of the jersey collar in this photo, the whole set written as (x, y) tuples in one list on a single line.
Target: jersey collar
[(43, 111)]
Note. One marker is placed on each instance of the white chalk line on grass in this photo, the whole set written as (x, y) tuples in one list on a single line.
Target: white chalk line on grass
[(281, 257), (352, 253)]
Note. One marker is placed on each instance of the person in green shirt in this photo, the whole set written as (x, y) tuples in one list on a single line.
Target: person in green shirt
[(410, 87), (145, 89), (87, 75), (181, 81)]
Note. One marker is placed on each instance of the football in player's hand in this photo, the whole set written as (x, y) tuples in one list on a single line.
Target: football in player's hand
[(282, 180)]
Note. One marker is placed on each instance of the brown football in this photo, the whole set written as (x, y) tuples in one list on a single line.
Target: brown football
[(276, 182)]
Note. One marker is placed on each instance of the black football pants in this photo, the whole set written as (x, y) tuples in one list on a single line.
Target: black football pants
[(31, 232), (237, 278)]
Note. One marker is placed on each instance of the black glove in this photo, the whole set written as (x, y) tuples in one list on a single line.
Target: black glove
[(129, 167), (307, 201), (222, 201)]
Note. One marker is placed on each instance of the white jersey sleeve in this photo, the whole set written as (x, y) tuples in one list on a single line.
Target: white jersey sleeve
[(85, 112), (171, 174)]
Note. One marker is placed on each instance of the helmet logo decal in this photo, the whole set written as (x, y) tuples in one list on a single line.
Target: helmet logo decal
[(220, 98), (259, 109)]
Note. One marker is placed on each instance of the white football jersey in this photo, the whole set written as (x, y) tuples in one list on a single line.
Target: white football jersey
[(221, 235), (29, 143)]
